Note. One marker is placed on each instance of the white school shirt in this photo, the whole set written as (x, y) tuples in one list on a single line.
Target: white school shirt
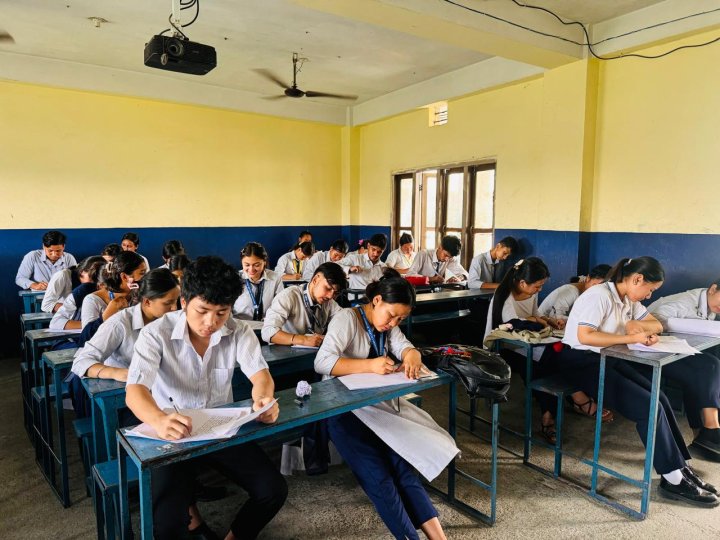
[(36, 267), (64, 314), (690, 304), (398, 260), (601, 308), (288, 313), (320, 257), (59, 287), (286, 264), (369, 271), (426, 264), (167, 364), (558, 303), (513, 309), (113, 343), (412, 433), (482, 268), (273, 285), (92, 308)]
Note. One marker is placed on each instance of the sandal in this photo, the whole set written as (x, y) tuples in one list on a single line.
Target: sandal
[(585, 408), (549, 434)]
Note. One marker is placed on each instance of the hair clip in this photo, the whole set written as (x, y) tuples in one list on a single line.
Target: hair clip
[(518, 264), (628, 262)]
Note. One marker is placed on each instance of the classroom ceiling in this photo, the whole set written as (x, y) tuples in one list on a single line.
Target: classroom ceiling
[(370, 48)]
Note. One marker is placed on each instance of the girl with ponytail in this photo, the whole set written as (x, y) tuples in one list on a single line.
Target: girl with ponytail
[(366, 339)]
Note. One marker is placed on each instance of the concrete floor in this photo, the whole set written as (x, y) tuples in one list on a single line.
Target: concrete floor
[(530, 505)]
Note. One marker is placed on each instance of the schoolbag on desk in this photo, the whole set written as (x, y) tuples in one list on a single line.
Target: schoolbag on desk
[(484, 374)]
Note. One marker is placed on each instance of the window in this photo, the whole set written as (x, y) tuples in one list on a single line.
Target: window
[(457, 200)]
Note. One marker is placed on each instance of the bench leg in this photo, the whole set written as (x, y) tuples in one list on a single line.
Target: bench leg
[(99, 505), (558, 435), (473, 412)]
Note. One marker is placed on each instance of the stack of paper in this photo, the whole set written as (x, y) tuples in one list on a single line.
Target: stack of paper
[(699, 327), (667, 344), (207, 424), (360, 381)]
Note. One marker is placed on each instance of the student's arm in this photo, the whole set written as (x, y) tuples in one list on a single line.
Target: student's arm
[(54, 294), (89, 360), (457, 269), (647, 325), (310, 266), (410, 357), (275, 319), (594, 338), (263, 390), (23, 279), (63, 315)]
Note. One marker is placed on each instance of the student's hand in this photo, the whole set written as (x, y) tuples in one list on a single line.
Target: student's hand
[(560, 323), (354, 269), (644, 338), (453, 279), (412, 366), (382, 365), (118, 374), (173, 427), (436, 279), (297, 277), (56, 307), (39, 286), (116, 304), (314, 340), (269, 416)]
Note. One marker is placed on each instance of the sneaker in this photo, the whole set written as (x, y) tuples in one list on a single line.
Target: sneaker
[(687, 491)]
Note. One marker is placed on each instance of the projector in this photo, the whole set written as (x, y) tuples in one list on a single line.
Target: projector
[(179, 54)]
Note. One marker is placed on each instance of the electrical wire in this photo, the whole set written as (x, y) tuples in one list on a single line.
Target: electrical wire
[(183, 6)]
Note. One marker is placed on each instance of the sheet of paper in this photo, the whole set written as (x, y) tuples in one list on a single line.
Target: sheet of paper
[(700, 327), (359, 381), (64, 331), (255, 325), (667, 344), (208, 424), (298, 346)]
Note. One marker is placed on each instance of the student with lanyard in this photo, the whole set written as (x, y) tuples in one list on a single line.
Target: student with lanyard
[(38, 266), (299, 315), (440, 265), (384, 444), (337, 251), (558, 303), (366, 268), (63, 282), (68, 316), (611, 314), (170, 249), (131, 242), (186, 360), (290, 265), (698, 375), (486, 269), (259, 284), (402, 258)]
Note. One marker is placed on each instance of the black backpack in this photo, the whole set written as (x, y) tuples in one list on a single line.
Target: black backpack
[(484, 374)]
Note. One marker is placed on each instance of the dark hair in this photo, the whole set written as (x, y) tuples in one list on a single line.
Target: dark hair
[(178, 262), (334, 274), (112, 250), (172, 248), (304, 233), (54, 238), (133, 237), (406, 238), (392, 288), (598, 272), (211, 279), (649, 268), (155, 284), (510, 242), (255, 249), (379, 240), (528, 270), (92, 266), (362, 243), (125, 263), (340, 245), (451, 244), (307, 248)]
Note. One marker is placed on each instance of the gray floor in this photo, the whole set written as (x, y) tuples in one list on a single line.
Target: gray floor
[(332, 506)]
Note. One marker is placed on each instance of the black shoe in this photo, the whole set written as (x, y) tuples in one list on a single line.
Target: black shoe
[(202, 531), (691, 475), (688, 492), (709, 439), (210, 493)]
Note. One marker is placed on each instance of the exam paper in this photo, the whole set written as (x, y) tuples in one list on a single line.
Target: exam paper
[(667, 344), (360, 381), (208, 424), (700, 327), (255, 325)]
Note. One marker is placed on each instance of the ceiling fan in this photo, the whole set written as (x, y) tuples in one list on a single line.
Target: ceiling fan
[(293, 91)]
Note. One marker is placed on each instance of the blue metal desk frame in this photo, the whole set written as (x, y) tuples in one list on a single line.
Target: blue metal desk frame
[(32, 300), (147, 454)]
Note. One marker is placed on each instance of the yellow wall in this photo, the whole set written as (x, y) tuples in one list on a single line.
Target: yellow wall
[(155, 164), (658, 144)]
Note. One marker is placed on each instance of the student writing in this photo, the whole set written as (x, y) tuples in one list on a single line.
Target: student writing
[(63, 282), (290, 265), (338, 250), (365, 268), (558, 303), (38, 266), (402, 258), (486, 269), (440, 265)]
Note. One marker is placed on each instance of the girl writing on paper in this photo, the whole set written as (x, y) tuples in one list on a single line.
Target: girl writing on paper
[(381, 445)]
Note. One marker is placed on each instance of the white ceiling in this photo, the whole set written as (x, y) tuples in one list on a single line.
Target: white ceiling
[(55, 43)]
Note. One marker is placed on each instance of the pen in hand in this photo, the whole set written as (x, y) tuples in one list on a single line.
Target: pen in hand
[(174, 406)]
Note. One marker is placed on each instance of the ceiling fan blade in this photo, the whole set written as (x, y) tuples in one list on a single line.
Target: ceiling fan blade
[(275, 98), (271, 77), (310, 93), (6, 38)]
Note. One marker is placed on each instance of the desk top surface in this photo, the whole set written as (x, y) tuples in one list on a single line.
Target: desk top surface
[(37, 316), (660, 358), (444, 296), (30, 292), (45, 333), (329, 398), (59, 359)]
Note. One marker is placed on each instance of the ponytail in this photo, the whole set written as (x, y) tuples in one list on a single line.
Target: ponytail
[(392, 288), (529, 270), (125, 263), (648, 267)]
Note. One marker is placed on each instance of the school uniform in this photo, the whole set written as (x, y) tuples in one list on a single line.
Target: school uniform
[(626, 390), (289, 264), (381, 445), (483, 269), (166, 363), (311, 264), (557, 304), (69, 311), (698, 375), (369, 271), (36, 267), (59, 287), (295, 312), (426, 263), (256, 298), (398, 260)]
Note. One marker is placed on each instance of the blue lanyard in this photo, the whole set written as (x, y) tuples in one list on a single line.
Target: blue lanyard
[(378, 343), (316, 326), (253, 299)]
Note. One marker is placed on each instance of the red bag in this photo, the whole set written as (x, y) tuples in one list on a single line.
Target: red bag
[(418, 280)]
